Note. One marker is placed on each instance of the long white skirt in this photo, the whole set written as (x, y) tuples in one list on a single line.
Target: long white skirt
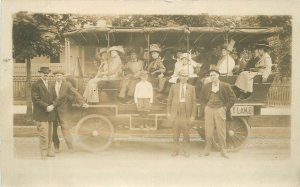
[(91, 94), (245, 81)]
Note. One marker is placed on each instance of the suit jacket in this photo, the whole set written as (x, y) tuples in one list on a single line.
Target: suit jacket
[(41, 99), (173, 100), (226, 94), (63, 101)]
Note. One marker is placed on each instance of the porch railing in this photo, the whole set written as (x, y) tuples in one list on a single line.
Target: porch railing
[(279, 94), (20, 68)]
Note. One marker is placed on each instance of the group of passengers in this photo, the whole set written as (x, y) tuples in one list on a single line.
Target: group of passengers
[(164, 66)]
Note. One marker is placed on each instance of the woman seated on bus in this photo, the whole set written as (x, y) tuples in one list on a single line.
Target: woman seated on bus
[(226, 64), (186, 65), (262, 67), (156, 68), (110, 71), (169, 64), (101, 59), (130, 77)]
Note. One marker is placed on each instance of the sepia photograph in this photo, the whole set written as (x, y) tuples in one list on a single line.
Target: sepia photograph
[(149, 99)]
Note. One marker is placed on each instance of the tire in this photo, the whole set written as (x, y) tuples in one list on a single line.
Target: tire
[(94, 133), (237, 132)]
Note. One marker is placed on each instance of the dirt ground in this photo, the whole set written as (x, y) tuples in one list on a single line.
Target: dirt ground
[(263, 162)]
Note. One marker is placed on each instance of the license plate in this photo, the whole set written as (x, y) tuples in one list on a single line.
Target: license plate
[(242, 110)]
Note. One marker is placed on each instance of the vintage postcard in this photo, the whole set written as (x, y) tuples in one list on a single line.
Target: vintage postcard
[(149, 93)]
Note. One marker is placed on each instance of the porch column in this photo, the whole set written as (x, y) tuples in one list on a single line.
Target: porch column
[(67, 56)]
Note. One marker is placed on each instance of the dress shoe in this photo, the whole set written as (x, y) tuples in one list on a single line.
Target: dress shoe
[(175, 153), (44, 157), (224, 155), (203, 154), (50, 155), (129, 102), (71, 150), (186, 154)]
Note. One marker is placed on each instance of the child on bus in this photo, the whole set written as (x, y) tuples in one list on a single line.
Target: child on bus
[(143, 97)]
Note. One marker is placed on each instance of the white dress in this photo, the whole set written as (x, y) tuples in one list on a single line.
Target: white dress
[(245, 79)]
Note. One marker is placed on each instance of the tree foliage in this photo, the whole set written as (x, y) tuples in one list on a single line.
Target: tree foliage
[(42, 34)]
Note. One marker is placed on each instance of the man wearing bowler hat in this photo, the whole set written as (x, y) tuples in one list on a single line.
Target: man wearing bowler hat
[(43, 112), (217, 97), (63, 93)]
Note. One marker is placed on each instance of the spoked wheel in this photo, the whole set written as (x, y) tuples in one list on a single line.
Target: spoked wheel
[(94, 132), (237, 133)]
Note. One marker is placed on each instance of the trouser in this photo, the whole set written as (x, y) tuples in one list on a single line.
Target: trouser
[(45, 130), (66, 132), (215, 118), (144, 117), (181, 125), (55, 134), (127, 87)]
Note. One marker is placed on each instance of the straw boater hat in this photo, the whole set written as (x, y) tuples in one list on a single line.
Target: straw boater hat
[(45, 70), (263, 44), (215, 70), (58, 72), (183, 74), (155, 48), (116, 48)]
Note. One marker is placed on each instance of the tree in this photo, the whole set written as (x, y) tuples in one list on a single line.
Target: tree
[(41, 35), (281, 44)]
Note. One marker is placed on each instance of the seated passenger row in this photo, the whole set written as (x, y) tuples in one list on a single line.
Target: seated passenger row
[(164, 71)]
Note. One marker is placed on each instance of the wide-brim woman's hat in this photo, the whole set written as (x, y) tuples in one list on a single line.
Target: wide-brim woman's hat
[(44, 70), (262, 44), (103, 50), (155, 48), (185, 55), (119, 49)]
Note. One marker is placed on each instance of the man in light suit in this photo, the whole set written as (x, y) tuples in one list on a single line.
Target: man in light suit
[(217, 98), (181, 111), (43, 114), (63, 94)]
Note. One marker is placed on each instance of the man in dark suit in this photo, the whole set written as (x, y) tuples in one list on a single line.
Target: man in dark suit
[(217, 97), (181, 111), (43, 114), (63, 93)]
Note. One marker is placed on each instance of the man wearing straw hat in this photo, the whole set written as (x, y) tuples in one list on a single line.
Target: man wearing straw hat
[(181, 109), (43, 112)]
